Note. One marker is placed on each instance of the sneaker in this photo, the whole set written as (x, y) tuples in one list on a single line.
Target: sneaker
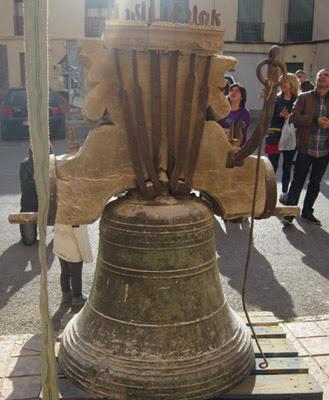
[(287, 221), (283, 198), (67, 297), (79, 301), (311, 219)]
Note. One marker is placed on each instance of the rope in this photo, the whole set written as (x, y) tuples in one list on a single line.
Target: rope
[(263, 364), (36, 49)]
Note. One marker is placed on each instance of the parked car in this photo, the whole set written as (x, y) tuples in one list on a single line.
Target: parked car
[(14, 118)]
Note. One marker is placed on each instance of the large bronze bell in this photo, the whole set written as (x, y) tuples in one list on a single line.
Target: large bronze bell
[(156, 324)]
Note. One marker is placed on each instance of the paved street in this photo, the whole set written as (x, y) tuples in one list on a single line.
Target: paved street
[(289, 272)]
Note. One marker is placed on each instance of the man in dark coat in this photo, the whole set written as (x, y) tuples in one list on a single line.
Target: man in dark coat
[(310, 115), (305, 84), (29, 198)]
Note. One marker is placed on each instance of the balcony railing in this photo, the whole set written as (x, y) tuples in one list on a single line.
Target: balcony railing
[(298, 31), (249, 31), (94, 26), (19, 25)]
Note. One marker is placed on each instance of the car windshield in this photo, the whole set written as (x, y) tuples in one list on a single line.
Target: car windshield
[(18, 98)]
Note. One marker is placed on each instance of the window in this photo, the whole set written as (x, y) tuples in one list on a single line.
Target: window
[(300, 21), (22, 67), (97, 11), (293, 67), (19, 17), (4, 78), (167, 8), (249, 25)]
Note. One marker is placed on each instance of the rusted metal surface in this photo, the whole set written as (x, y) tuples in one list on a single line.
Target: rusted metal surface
[(199, 126), (156, 324), (182, 151), (171, 109), (275, 66), (271, 190), (153, 188), (156, 105), (130, 129)]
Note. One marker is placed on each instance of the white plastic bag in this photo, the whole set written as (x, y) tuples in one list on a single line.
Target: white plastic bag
[(288, 136)]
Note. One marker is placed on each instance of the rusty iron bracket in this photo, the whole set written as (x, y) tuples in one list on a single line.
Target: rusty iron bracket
[(156, 105), (270, 84), (199, 126), (176, 185), (130, 130), (171, 106), (143, 141)]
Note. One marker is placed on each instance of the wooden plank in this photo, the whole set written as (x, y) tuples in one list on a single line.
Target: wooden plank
[(260, 318), (257, 314), (68, 391), (281, 365), (275, 348), (293, 387), (262, 321), (270, 332)]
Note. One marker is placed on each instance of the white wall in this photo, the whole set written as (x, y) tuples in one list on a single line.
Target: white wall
[(66, 19), (6, 17), (245, 73), (320, 21)]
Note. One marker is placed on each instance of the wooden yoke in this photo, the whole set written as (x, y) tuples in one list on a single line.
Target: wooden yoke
[(154, 82)]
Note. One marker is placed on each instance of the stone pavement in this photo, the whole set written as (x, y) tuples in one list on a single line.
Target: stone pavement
[(310, 337), (20, 359)]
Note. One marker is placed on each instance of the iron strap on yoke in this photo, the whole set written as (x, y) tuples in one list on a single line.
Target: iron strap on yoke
[(176, 185), (153, 187), (171, 106)]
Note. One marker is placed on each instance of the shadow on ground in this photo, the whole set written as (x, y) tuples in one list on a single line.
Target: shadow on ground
[(19, 264), (313, 243), (263, 289)]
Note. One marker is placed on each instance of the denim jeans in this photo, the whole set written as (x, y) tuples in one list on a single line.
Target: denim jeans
[(305, 164), (288, 157), (71, 277)]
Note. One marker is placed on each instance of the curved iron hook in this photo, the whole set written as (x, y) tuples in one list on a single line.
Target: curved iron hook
[(270, 84)]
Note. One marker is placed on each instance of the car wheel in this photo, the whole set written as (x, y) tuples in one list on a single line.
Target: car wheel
[(28, 234)]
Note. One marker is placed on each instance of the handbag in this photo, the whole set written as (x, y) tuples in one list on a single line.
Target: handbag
[(288, 137)]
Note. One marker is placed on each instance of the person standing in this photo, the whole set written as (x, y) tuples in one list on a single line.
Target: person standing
[(284, 102), (237, 97), (29, 198), (305, 84), (72, 247), (311, 118)]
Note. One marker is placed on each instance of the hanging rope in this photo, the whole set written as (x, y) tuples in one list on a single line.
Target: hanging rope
[(264, 364), (36, 51)]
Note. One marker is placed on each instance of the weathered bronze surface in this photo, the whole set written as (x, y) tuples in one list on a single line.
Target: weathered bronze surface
[(157, 324)]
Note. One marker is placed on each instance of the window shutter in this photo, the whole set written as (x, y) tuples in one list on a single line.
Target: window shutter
[(250, 10)]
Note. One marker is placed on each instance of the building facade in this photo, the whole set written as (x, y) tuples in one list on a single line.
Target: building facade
[(251, 27), (69, 21)]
